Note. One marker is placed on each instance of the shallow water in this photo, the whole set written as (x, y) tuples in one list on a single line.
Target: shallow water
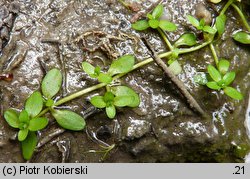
[(163, 128)]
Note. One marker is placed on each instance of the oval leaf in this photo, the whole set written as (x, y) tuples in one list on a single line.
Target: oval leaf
[(140, 25), (186, 40), (111, 111), (213, 85), (88, 68), (98, 102), (104, 78), (51, 83), (229, 78), (220, 24), (126, 91), (22, 134), (158, 11), (214, 73), (24, 116), (223, 66), (69, 120), (167, 26), (11, 117), (38, 123), (29, 145), (242, 37), (233, 93), (193, 21), (209, 30), (121, 101), (34, 104), (122, 65)]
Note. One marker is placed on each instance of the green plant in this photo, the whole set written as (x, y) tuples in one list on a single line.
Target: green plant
[(154, 21), (29, 120), (242, 37), (221, 78), (51, 85), (116, 96), (200, 25)]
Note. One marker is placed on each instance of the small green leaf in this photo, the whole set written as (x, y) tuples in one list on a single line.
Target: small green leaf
[(69, 120), (214, 73), (49, 103), (149, 16), (88, 68), (34, 104), (140, 25), (186, 40), (122, 65), (242, 37), (29, 145), (105, 78), (38, 123), (167, 26), (97, 70), (202, 24), (193, 21), (108, 97), (24, 116), (22, 134), (11, 117), (220, 24), (233, 93), (126, 91), (229, 78), (158, 11), (213, 85), (175, 67), (200, 79), (111, 111), (51, 83), (98, 102), (209, 30), (153, 23), (223, 66), (121, 101)]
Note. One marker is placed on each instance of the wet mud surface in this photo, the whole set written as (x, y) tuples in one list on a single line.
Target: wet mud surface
[(44, 34)]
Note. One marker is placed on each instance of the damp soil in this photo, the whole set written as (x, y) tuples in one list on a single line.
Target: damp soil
[(42, 34)]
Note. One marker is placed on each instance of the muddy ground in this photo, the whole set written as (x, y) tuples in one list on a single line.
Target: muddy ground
[(40, 35)]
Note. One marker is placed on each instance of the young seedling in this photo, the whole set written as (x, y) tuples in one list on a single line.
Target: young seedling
[(154, 21), (200, 25), (222, 78), (112, 98), (27, 121)]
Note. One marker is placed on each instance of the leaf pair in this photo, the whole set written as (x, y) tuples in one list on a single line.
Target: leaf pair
[(200, 25), (122, 65), (222, 79), (51, 85), (26, 120), (119, 96), (154, 21)]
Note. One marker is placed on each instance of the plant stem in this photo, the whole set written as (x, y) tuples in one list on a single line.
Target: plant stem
[(226, 7), (136, 66), (243, 18), (163, 35), (216, 59)]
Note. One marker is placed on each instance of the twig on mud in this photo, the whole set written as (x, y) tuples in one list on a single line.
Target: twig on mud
[(191, 101), (144, 13)]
